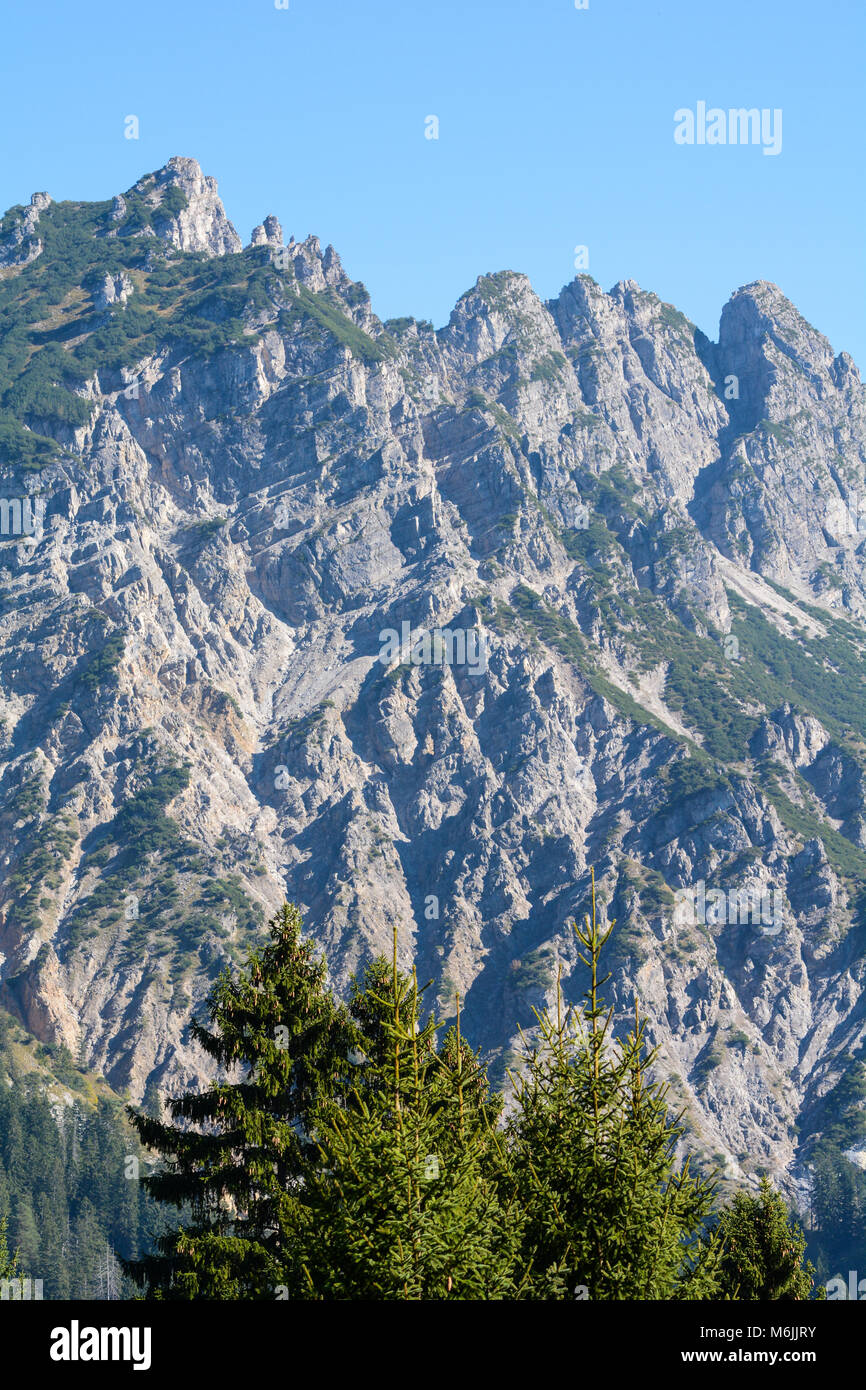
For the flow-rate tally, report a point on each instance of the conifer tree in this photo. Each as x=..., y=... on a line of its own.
x=8, y=1262
x=763, y=1249
x=403, y=1202
x=371, y=1007
x=591, y=1152
x=234, y=1156
x=26, y=1232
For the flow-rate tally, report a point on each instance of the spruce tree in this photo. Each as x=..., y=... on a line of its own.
x=763, y=1249
x=234, y=1156
x=25, y=1231
x=403, y=1202
x=591, y=1152
x=8, y=1262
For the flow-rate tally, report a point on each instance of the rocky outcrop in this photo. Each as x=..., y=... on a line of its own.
x=19, y=242
x=270, y=233
x=201, y=223
x=115, y=289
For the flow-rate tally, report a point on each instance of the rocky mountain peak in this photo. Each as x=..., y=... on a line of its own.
x=194, y=218
x=500, y=310
x=762, y=332
x=761, y=309
x=627, y=293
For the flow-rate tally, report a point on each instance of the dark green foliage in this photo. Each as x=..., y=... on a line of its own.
x=847, y=859
x=837, y=1239
x=198, y=303
x=204, y=530
x=28, y=797
x=141, y=821
x=712, y=1056
x=324, y=310
x=102, y=668
x=592, y=1151
x=710, y=692
x=68, y=1191
x=236, y=1157
x=59, y=1058
x=142, y=852
x=38, y=868
x=8, y=1260
x=689, y=777
x=30, y=452
x=782, y=433
x=298, y=1185
x=404, y=1199
x=548, y=368
x=547, y=625
x=763, y=1251
x=532, y=971
x=826, y=675
x=672, y=318
x=44, y=390
x=492, y=289
x=173, y=201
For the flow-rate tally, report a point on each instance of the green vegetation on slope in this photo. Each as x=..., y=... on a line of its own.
x=69, y=1165
x=53, y=338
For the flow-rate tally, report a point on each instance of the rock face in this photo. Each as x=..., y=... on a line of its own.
x=19, y=243
x=115, y=289
x=416, y=627
x=789, y=497
x=269, y=234
x=199, y=225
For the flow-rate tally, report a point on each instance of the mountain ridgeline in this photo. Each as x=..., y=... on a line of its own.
x=414, y=627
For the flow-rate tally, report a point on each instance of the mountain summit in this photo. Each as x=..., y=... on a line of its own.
x=185, y=209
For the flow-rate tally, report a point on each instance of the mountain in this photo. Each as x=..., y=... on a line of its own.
x=631, y=562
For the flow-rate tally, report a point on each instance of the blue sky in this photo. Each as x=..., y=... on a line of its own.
x=555, y=130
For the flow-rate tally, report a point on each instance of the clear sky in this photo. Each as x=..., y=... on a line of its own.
x=556, y=129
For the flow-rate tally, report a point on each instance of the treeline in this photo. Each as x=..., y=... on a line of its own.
x=348, y=1152
x=837, y=1238
x=68, y=1207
